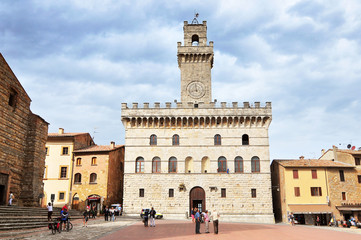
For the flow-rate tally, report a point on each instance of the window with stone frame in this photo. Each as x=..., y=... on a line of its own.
x=223, y=193
x=255, y=164
x=359, y=178
x=141, y=192
x=342, y=175
x=314, y=174
x=175, y=140
x=297, y=191
x=343, y=196
x=63, y=172
x=245, y=139
x=171, y=192
x=93, y=178
x=65, y=151
x=316, y=192
x=253, y=193
x=222, y=164
x=172, y=165
x=94, y=161
x=217, y=139
x=153, y=140
x=295, y=174
x=238, y=164
x=78, y=161
x=156, y=163
x=61, y=196
x=77, y=178
x=357, y=161
x=139, y=165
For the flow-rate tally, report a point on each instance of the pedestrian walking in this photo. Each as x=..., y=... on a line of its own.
x=106, y=213
x=11, y=197
x=86, y=215
x=50, y=211
x=112, y=216
x=93, y=212
x=206, y=221
x=197, y=217
x=292, y=219
x=192, y=214
x=215, y=218
x=152, y=217
x=145, y=217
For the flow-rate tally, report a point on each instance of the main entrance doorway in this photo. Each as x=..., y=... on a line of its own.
x=197, y=198
x=3, y=188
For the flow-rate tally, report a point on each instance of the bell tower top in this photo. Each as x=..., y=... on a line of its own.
x=195, y=60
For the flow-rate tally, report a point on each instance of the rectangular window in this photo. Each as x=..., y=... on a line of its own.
x=359, y=178
x=12, y=98
x=45, y=172
x=343, y=196
x=141, y=192
x=78, y=161
x=223, y=192
x=342, y=176
x=295, y=174
x=297, y=192
x=63, y=172
x=357, y=161
x=65, y=151
x=61, y=196
x=46, y=151
x=314, y=174
x=254, y=193
x=171, y=192
x=316, y=191
x=94, y=161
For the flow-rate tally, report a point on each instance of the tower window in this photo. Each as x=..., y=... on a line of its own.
x=245, y=139
x=222, y=164
x=175, y=140
x=12, y=97
x=139, y=165
x=195, y=40
x=217, y=139
x=342, y=176
x=255, y=164
x=153, y=139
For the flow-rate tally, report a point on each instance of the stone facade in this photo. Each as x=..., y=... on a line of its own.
x=107, y=163
x=55, y=181
x=197, y=153
x=22, y=142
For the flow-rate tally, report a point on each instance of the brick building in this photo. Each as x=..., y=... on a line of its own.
x=22, y=142
x=98, y=176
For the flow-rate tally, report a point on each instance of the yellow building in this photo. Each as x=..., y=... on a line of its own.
x=301, y=187
x=98, y=176
x=58, y=164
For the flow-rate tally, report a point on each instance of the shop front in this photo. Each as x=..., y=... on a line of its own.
x=95, y=202
x=348, y=210
x=309, y=213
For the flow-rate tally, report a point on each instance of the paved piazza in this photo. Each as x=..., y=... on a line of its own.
x=132, y=228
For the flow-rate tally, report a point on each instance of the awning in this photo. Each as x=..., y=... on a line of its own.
x=93, y=197
x=349, y=208
x=310, y=209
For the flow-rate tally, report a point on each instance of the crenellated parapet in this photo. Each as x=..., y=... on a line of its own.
x=199, y=115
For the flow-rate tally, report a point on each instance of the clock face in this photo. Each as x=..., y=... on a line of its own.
x=196, y=89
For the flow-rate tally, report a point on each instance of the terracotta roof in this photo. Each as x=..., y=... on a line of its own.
x=98, y=148
x=64, y=134
x=311, y=163
x=349, y=151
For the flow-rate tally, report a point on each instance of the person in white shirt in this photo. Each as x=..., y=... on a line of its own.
x=50, y=211
x=215, y=217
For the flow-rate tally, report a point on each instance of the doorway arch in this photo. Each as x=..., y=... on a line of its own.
x=197, y=198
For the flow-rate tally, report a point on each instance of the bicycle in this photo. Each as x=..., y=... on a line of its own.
x=68, y=225
x=55, y=226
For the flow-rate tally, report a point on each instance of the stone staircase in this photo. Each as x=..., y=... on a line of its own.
x=19, y=218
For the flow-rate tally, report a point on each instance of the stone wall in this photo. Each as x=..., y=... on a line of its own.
x=116, y=176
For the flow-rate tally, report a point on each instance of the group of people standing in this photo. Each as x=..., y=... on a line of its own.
x=198, y=217
x=149, y=214
x=109, y=214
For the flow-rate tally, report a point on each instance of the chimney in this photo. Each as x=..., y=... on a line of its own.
x=302, y=157
x=112, y=144
x=322, y=151
x=61, y=130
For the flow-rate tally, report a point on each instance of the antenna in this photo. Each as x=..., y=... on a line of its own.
x=94, y=132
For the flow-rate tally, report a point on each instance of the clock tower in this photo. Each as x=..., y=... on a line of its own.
x=195, y=60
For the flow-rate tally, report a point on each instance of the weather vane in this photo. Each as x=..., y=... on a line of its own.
x=195, y=20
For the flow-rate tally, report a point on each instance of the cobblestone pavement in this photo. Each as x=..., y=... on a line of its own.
x=167, y=229
x=96, y=228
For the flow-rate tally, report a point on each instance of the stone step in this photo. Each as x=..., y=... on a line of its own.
x=8, y=219
x=23, y=226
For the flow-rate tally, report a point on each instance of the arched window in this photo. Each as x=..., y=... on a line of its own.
x=217, y=139
x=172, y=165
x=255, y=164
x=238, y=164
x=156, y=165
x=139, y=165
x=195, y=40
x=222, y=164
x=93, y=178
x=245, y=139
x=153, y=139
x=77, y=178
x=78, y=161
x=94, y=160
x=175, y=140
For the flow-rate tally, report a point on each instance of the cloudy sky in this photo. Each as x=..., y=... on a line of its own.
x=79, y=60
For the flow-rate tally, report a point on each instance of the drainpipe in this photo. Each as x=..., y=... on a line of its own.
x=71, y=182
